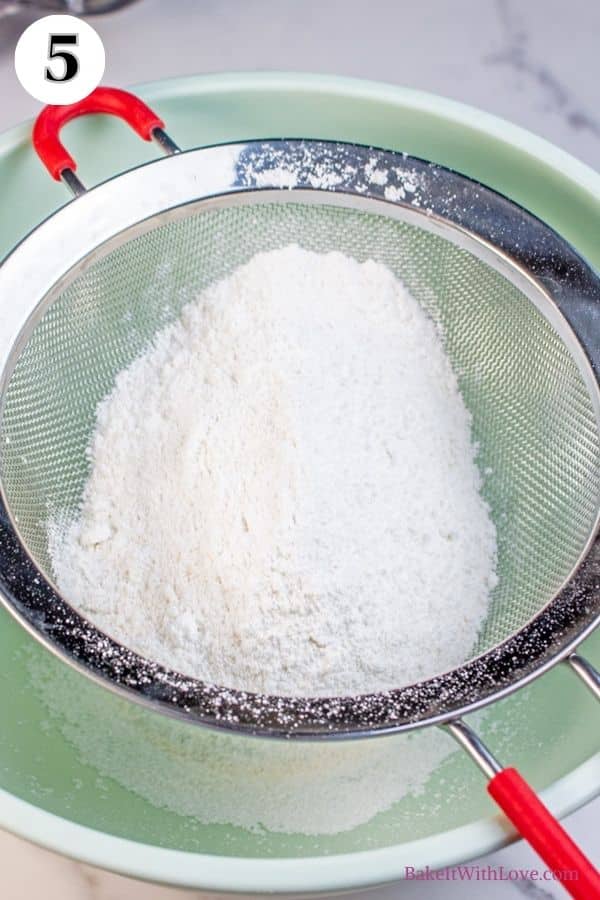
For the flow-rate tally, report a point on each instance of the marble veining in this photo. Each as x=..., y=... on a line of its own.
x=533, y=891
x=517, y=54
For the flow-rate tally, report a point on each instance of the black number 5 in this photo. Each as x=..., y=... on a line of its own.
x=70, y=60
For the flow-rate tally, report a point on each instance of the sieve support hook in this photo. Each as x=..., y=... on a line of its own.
x=111, y=101
x=586, y=671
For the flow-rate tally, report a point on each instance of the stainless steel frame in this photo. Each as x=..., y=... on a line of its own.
x=528, y=253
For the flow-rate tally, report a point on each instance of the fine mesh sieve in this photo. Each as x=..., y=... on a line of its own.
x=533, y=415
x=519, y=312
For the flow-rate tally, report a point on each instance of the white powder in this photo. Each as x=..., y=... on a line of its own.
x=322, y=787
x=283, y=494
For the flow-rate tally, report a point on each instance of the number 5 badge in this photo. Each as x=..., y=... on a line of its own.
x=59, y=59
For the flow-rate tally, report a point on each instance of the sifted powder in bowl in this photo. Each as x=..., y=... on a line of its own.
x=261, y=785
x=283, y=493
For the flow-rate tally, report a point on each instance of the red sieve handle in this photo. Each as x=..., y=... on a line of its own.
x=547, y=837
x=112, y=101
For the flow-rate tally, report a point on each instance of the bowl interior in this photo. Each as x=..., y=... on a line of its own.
x=72, y=748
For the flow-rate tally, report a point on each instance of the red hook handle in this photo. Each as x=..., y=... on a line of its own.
x=532, y=819
x=112, y=101
x=538, y=826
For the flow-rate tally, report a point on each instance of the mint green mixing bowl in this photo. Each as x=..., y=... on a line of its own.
x=67, y=745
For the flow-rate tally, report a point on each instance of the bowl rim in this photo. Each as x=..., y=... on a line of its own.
x=341, y=871
x=287, y=875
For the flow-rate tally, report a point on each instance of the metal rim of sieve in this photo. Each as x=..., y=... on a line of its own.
x=523, y=249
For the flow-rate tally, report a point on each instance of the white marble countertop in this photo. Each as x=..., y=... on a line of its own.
x=536, y=63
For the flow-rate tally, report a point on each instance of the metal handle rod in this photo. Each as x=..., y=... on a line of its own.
x=588, y=674
x=532, y=819
x=472, y=743
x=166, y=143
x=76, y=186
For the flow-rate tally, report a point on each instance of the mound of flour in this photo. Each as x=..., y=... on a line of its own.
x=283, y=495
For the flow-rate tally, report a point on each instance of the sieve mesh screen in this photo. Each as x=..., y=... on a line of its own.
x=533, y=417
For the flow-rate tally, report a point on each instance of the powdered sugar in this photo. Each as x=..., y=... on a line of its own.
x=283, y=494
x=324, y=167
x=322, y=787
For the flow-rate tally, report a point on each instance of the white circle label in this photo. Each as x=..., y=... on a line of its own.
x=59, y=59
